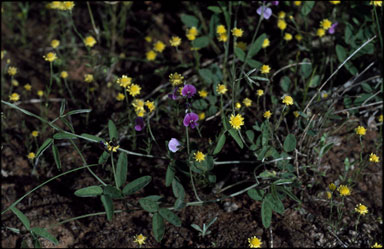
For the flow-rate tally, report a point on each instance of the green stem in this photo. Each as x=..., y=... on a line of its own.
x=186, y=132
x=49, y=180
x=114, y=171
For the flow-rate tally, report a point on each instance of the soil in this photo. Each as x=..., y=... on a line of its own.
x=301, y=225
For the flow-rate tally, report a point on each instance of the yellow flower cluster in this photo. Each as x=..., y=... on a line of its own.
x=139, y=105
x=112, y=148
x=66, y=5
x=176, y=79
x=192, y=33
x=222, y=33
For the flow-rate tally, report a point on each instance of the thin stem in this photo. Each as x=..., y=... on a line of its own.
x=114, y=171
x=92, y=20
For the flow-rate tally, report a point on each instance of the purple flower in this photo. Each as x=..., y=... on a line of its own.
x=332, y=28
x=173, y=95
x=173, y=145
x=267, y=12
x=188, y=90
x=139, y=123
x=275, y=3
x=191, y=119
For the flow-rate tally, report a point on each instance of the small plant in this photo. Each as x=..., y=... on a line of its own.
x=204, y=230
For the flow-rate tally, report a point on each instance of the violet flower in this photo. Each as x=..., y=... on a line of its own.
x=173, y=95
x=188, y=90
x=331, y=30
x=267, y=12
x=139, y=124
x=173, y=145
x=191, y=119
x=275, y=3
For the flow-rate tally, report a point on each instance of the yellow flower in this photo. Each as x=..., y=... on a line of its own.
x=297, y=3
x=254, y=242
x=360, y=130
x=288, y=100
x=159, y=46
x=35, y=133
x=40, y=93
x=31, y=155
x=203, y=93
x=380, y=118
x=320, y=32
x=124, y=81
x=151, y=105
x=201, y=115
x=377, y=245
x=90, y=41
x=373, y=158
x=260, y=92
x=287, y=36
x=281, y=24
x=151, y=55
x=332, y=187
x=222, y=38
x=192, y=33
x=344, y=190
x=267, y=114
x=55, y=43
x=298, y=37
x=237, y=105
x=139, y=107
x=3, y=52
x=237, y=32
x=88, y=78
x=27, y=87
x=175, y=41
x=220, y=29
x=335, y=2
x=50, y=57
x=281, y=15
x=242, y=45
x=329, y=195
x=325, y=24
x=120, y=97
x=247, y=102
x=176, y=79
x=236, y=121
x=191, y=37
x=134, y=90
x=361, y=209
x=68, y=5
x=221, y=89
x=112, y=148
x=265, y=43
x=64, y=74
x=199, y=156
x=296, y=114
x=376, y=3
x=15, y=83
x=148, y=38
x=140, y=239
x=12, y=71
x=14, y=97
x=265, y=69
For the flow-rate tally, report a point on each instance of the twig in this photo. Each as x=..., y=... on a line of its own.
x=358, y=107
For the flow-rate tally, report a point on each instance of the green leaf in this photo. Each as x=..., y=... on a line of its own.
x=158, y=227
x=179, y=204
x=189, y=21
x=89, y=191
x=236, y=137
x=289, y=193
x=283, y=182
x=254, y=63
x=178, y=189
x=215, y=9
x=36, y=243
x=61, y=135
x=104, y=157
x=200, y=104
x=108, y=206
x=112, y=192
x=42, y=232
x=201, y=42
x=307, y=7
x=290, y=143
x=56, y=156
x=170, y=174
x=149, y=205
x=92, y=138
x=276, y=203
x=77, y=112
x=206, y=74
x=256, y=194
x=284, y=83
x=325, y=149
x=44, y=146
x=306, y=69
x=24, y=219
x=315, y=81
x=250, y=135
x=219, y=144
x=341, y=53
x=256, y=46
x=170, y=216
x=121, y=169
x=264, y=134
x=136, y=185
x=112, y=130
x=266, y=213
x=239, y=54
x=62, y=107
